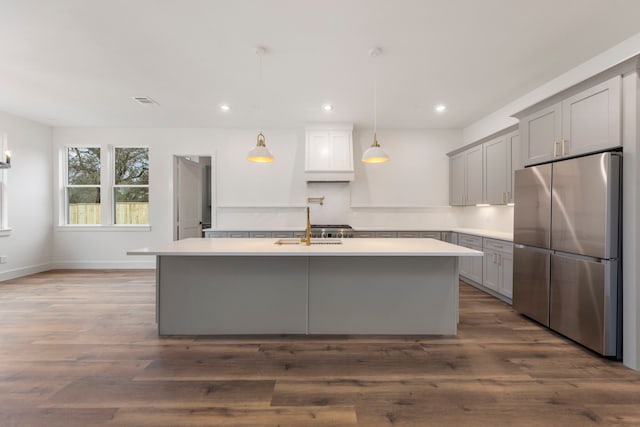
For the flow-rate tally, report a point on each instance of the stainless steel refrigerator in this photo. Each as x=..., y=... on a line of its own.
x=567, y=224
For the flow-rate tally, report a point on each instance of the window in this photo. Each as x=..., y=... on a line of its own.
x=83, y=186
x=106, y=186
x=131, y=185
x=4, y=221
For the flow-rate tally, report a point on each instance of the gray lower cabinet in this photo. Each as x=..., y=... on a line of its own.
x=364, y=234
x=419, y=234
x=449, y=237
x=386, y=234
x=238, y=234
x=498, y=266
x=260, y=234
x=218, y=234
x=400, y=234
x=254, y=234
x=471, y=267
x=283, y=234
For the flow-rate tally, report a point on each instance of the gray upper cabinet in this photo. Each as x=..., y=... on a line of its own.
x=501, y=158
x=457, y=180
x=585, y=122
x=591, y=119
x=513, y=144
x=497, y=161
x=540, y=133
x=474, y=175
x=465, y=170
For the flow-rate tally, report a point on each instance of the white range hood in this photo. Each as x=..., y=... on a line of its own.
x=329, y=152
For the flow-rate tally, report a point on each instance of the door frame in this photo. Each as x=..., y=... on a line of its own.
x=174, y=190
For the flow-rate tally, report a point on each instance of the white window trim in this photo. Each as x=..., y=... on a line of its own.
x=65, y=185
x=107, y=185
x=4, y=191
x=112, y=201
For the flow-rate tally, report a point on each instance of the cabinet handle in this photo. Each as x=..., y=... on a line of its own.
x=555, y=148
x=495, y=258
x=499, y=259
x=563, y=152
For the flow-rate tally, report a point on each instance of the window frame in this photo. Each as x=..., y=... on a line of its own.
x=5, y=230
x=107, y=199
x=114, y=186
x=66, y=186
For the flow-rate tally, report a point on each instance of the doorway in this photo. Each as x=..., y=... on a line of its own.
x=192, y=196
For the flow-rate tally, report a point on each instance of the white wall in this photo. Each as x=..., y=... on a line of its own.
x=496, y=218
x=263, y=196
x=29, y=199
x=630, y=215
x=501, y=119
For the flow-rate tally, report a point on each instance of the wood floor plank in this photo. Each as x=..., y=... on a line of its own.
x=105, y=392
x=312, y=416
x=81, y=348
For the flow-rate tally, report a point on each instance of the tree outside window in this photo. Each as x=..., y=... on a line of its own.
x=131, y=185
x=83, y=185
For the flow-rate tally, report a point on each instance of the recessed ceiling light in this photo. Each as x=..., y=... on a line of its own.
x=327, y=107
x=225, y=107
x=440, y=108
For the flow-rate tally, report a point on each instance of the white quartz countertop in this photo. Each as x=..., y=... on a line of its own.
x=267, y=247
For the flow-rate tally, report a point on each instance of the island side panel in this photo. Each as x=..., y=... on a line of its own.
x=383, y=295
x=217, y=295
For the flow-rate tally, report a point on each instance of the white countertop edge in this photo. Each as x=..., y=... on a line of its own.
x=314, y=254
x=349, y=247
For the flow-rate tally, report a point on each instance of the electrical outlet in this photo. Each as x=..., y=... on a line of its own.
x=3, y=259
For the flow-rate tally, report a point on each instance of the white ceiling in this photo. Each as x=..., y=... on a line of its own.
x=80, y=62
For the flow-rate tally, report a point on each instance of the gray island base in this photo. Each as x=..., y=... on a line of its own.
x=362, y=286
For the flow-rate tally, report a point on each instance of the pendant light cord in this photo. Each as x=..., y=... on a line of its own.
x=375, y=94
x=259, y=52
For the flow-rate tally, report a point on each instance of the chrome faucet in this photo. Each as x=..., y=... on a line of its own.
x=307, y=239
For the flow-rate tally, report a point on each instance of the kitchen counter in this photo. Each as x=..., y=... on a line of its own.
x=253, y=286
x=267, y=247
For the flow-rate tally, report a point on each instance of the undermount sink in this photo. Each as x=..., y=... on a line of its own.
x=313, y=242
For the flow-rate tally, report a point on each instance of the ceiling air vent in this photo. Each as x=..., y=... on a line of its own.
x=144, y=100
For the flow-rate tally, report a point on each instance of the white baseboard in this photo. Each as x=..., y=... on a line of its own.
x=24, y=271
x=103, y=265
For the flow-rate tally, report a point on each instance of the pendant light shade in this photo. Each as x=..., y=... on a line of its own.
x=375, y=153
x=260, y=153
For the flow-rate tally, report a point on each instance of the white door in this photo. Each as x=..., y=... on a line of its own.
x=188, y=199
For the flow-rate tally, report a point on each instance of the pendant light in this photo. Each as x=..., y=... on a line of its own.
x=375, y=153
x=260, y=153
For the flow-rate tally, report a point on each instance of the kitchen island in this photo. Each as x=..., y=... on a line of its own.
x=345, y=286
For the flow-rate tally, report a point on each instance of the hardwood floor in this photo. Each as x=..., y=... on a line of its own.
x=80, y=348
